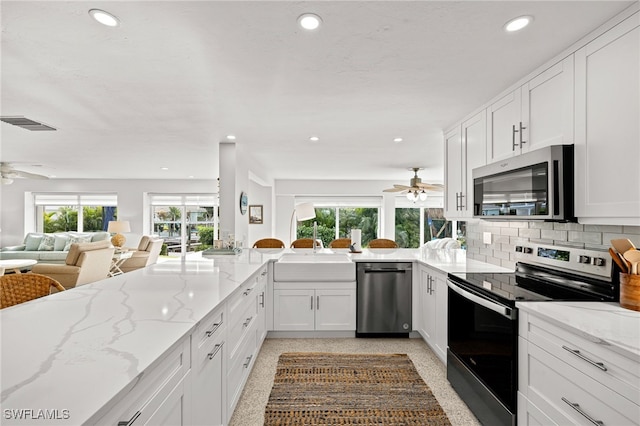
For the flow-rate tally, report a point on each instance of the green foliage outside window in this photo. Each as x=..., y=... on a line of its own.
x=62, y=220
x=363, y=218
x=408, y=227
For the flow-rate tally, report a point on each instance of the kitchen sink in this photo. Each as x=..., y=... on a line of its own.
x=318, y=267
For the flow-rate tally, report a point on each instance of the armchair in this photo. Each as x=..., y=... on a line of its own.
x=146, y=254
x=85, y=263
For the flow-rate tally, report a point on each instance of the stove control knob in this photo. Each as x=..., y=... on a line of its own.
x=527, y=250
x=584, y=259
x=519, y=249
x=598, y=261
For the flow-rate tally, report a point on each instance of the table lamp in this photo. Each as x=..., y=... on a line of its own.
x=116, y=227
x=303, y=211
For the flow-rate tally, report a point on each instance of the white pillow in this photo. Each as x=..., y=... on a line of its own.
x=76, y=240
x=61, y=242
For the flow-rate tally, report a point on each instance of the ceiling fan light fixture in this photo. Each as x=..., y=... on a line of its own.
x=6, y=181
x=423, y=195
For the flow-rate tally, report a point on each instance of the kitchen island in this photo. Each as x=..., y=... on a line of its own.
x=73, y=356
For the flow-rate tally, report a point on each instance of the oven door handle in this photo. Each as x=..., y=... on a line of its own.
x=505, y=311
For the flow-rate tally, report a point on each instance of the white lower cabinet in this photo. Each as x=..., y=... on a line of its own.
x=209, y=371
x=432, y=310
x=261, y=305
x=161, y=396
x=567, y=379
x=315, y=306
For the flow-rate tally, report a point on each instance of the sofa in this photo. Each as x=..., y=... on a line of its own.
x=50, y=248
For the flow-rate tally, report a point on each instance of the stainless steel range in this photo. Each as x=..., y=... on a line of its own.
x=483, y=320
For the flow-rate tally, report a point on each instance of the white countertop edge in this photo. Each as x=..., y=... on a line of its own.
x=606, y=323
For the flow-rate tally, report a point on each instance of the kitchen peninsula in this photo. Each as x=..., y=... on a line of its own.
x=100, y=350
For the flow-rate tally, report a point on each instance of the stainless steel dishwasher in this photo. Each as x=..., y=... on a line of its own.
x=383, y=299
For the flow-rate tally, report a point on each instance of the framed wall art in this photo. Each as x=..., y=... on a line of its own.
x=255, y=214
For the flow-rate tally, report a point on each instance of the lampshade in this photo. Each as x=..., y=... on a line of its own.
x=305, y=211
x=117, y=226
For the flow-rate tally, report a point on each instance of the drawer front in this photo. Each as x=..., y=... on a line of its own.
x=157, y=382
x=241, y=325
x=237, y=303
x=568, y=396
x=211, y=328
x=613, y=370
x=239, y=371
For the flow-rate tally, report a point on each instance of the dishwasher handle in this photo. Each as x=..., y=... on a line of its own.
x=378, y=270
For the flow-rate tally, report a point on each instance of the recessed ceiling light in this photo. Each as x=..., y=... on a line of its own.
x=518, y=23
x=105, y=18
x=309, y=21
x=397, y=140
x=231, y=137
x=314, y=139
x=164, y=168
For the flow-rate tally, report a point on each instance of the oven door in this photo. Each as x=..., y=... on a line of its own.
x=482, y=355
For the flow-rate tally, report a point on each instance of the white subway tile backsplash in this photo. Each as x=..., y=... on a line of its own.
x=635, y=239
x=585, y=237
x=518, y=240
x=500, y=239
x=501, y=254
x=568, y=226
x=541, y=225
x=541, y=241
x=508, y=264
x=553, y=235
x=631, y=230
x=494, y=261
x=569, y=244
x=613, y=229
x=518, y=224
x=529, y=233
x=512, y=232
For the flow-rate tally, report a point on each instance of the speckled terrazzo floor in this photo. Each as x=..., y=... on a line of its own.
x=250, y=408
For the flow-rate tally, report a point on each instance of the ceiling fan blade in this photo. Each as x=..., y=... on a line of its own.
x=431, y=186
x=402, y=187
x=22, y=174
x=393, y=190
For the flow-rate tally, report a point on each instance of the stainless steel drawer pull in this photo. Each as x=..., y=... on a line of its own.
x=246, y=323
x=216, y=349
x=213, y=330
x=513, y=138
x=263, y=273
x=318, y=302
x=585, y=415
x=577, y=353
x=262, y=299
x=246, y=364
x=130, y=422
x=247, y=291
x=522, y=134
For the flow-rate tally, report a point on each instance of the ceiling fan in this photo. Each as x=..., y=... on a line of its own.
x=8, y=173
x=416, y=189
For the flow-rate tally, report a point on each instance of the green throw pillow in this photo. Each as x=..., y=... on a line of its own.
x=32, y=242
x=47, y=243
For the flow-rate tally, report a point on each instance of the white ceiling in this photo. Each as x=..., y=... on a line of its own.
x=176, y=77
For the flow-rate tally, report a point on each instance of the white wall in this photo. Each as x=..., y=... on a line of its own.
x=260, y=195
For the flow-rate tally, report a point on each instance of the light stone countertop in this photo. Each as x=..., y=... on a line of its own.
x=80, y=349
x=604, y=322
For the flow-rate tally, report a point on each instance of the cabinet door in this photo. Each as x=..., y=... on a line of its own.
x=261, y=302
x=502, y=115
x=427, y=307
x=454, y=167
x=174, y=410
x=209, y=385
x=547, y=107
x=607, y=126
x=335, y=310
x=441, y=299
x=474, y=136
x=294, y=309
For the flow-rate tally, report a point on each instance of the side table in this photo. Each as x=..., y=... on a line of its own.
x=118, y=259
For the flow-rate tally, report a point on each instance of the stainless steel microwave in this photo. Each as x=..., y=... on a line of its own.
x=537, y=185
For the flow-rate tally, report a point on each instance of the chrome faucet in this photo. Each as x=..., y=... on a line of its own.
x=315, y=235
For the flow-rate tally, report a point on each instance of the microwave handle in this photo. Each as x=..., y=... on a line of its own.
x=495, y=307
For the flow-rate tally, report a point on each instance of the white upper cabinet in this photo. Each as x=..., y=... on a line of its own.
x=537, y=114
x=607, y=116
x=465, y=149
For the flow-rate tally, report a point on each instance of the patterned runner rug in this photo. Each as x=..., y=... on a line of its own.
x=350, y=389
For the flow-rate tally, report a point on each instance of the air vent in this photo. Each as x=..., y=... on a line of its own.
x=26, y=123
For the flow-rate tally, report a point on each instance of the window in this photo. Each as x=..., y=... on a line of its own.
x=337, y=216
x=186, y=222
x=59, y=212
x=415, y=226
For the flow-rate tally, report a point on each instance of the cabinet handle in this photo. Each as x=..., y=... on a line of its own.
x=318, y=302
x=246, y=364
x=262, y=299
x=216, y=349
x=213, y=330
x=263, y=273
x=458, y=201
x=246, y=323
x=513, y=137
x=312, y=303
x=581, y=411
x=577, y=353
x=247, y=291
x=130, y=422
x=522, y=134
